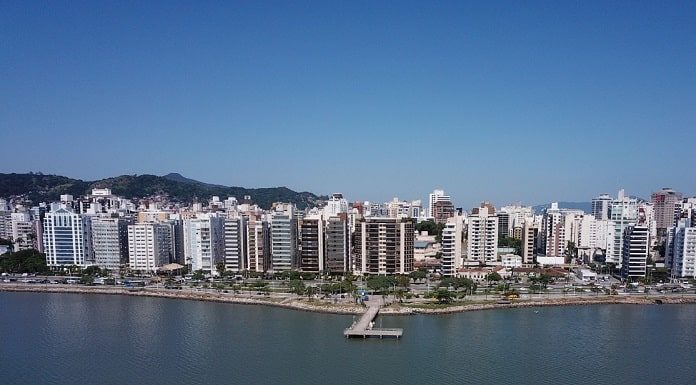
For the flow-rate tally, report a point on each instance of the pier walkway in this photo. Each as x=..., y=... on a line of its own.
x=363, y=327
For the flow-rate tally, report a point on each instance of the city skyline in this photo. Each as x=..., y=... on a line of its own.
x=500, y=102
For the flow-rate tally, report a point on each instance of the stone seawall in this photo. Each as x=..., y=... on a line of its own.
x=349, y=308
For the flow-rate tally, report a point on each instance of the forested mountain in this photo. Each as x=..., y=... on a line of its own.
x=46, y=188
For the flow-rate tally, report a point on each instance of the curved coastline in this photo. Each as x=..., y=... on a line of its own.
x=351, y=309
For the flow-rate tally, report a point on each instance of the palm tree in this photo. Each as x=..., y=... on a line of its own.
x=399, y=294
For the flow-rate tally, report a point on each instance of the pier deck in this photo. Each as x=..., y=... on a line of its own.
x=362, y=328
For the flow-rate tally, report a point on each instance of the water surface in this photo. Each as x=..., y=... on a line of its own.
x=49, y=338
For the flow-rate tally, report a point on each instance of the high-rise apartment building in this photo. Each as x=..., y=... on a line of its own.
x=530, y=233
x=283, y=231
x=635, y=249
x=311, y=244
x=337, y=244
x=5, y=224
x=235, y=243
x=600, y=207
x=683, y=245
x=107, y=236
x=149, y=246
x=452, y=246
x=667, y=209
x=443, y=210
x=503, y=224
x=204, y=242
x=63, y=240
x=384, y=246
x=258, y=244
x=335, y=205
x=23, y=231
x=622, y=212
x=482, y=233
x=434, y=197
x=553, y=228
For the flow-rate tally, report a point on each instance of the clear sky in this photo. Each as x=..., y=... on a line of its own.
x=503, y=101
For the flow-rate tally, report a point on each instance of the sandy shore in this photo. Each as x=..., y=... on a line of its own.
x=351, y=309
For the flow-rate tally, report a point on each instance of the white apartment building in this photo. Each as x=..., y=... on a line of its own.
x=452, y=246
x=434, y=197
x=63, y=238
x=404, y=209
x=335, y=205
x=23, y=234
x=622, y=212
x=683, y=261
x=235, y=245
x=600, y=207
x=204, y=242
x=149, y=246
x=482, y=232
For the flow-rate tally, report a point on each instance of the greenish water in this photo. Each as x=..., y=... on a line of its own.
x=100, y=339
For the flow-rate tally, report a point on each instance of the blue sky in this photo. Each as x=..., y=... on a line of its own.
x=502, y=101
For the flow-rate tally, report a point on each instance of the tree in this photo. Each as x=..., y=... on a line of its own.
x=25, y=261
x=443, y=296
x=418, y=275
x=429, y=226
x=403, y=280
x=494, y=276
x=87, y=280
x=94, y=271
x=310, y=291
x=381, y=283
x=399, y=294
x=505, y=241
x=220, y=267
x=198, y=275
x=297, y=287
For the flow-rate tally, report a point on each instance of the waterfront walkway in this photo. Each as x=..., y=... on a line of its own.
x=363, y=327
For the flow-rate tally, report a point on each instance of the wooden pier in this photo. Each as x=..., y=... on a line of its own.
x=363, y=327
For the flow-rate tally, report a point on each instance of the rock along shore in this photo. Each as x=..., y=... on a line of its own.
x=350, y=309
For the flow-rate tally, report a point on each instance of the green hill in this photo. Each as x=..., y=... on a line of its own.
x=47, y=188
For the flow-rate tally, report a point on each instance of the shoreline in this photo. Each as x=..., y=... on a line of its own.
x=352, y=309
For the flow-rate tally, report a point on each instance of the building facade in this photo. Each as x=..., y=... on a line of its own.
x=64, y=242
x=452, y=246
x=337, y=244
x=235, y=243
x=106, y=242
x=384, y=246
x=149, y=246
x=204, y=243
x=482, y=235
x=283, y=232
x=311, y=244
x=636, y=241
x=683, y=262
